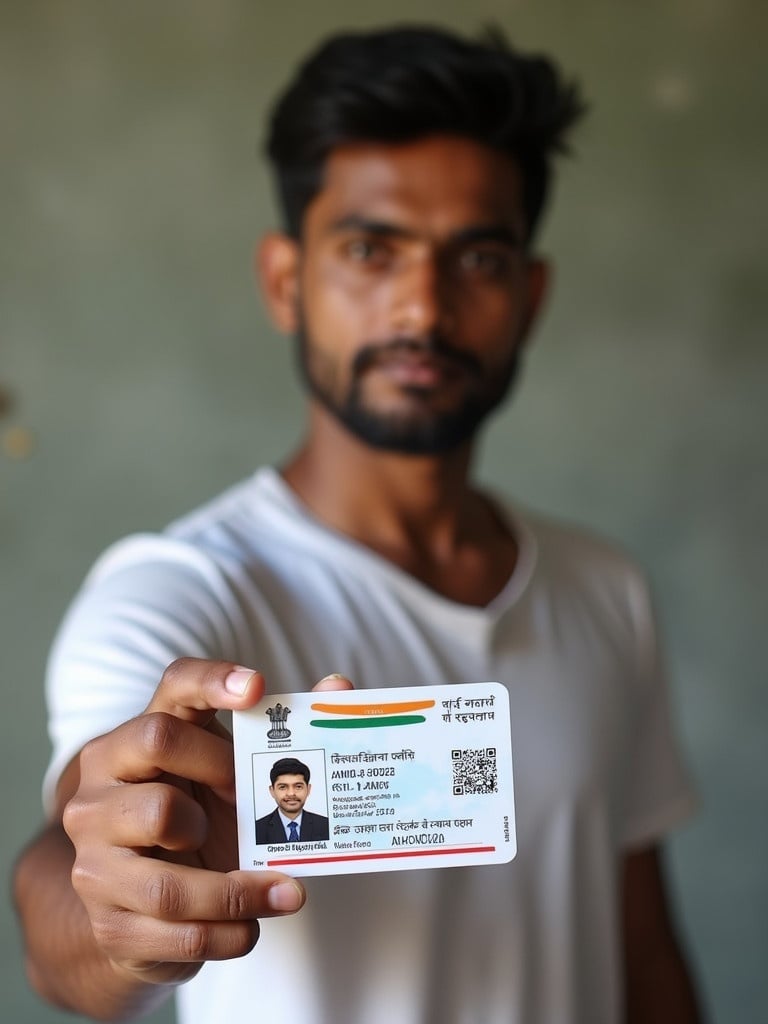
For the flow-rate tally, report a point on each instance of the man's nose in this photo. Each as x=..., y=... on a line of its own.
x=422, y=301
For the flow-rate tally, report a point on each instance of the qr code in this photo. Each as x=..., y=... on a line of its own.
x=474, y=771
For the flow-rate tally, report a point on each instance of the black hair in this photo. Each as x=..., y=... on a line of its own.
x=400, y=84
x=288, y=766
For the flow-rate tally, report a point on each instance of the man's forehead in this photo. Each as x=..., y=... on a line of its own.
x=443, y=180
x=288, y=778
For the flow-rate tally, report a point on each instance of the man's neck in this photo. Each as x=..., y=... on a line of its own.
x=419, y=512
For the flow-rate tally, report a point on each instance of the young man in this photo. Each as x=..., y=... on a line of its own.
x=412, y=168
x=289, y=787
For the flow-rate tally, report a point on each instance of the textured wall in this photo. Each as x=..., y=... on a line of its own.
x=130, y=194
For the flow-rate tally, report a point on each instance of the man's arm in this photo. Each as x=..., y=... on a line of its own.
x=134, y=888
x=659, y=989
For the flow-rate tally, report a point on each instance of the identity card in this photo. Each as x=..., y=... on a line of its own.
x=348, y=781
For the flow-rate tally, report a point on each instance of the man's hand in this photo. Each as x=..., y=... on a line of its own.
x=153, y=825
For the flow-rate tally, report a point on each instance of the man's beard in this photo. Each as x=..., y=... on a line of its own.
x=422, y=430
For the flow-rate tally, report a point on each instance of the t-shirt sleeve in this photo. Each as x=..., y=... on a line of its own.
x=146, y=602
x=658, y=789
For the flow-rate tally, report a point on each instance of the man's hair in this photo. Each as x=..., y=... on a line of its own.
x=288, y=766
x=401, y=84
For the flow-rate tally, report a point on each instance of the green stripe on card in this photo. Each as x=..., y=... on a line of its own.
x=369, y=722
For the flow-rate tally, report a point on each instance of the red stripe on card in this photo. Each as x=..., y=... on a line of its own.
x=380, y=856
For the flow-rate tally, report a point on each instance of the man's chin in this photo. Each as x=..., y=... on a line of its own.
x=432, y=434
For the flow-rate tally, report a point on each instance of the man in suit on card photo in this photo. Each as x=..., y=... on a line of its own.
x=289, y=822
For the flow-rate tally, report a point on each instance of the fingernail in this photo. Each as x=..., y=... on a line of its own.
x=335, y=681
x=285, y=896
x=237, y=681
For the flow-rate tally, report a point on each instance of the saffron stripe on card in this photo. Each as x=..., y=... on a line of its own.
x=374, y=709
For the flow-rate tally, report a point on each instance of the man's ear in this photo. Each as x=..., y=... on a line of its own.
x=539, y=276
x=276, y=264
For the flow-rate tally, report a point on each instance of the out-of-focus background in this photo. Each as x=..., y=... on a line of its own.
x=141, y=376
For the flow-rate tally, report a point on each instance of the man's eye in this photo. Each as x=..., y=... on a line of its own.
x=488, y=262
x=364, y=250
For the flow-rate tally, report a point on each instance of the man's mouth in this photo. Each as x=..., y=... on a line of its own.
x=424, y=370
x=418, y=364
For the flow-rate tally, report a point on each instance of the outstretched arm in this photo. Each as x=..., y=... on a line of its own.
x=659, y=989
x=136, y=886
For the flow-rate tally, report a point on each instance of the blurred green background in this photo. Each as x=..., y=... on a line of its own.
x=144, y=376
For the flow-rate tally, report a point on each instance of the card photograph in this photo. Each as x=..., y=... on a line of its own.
x=289, y=796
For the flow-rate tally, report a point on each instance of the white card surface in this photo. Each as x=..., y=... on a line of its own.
x=400, y=778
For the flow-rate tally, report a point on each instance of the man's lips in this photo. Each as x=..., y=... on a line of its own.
x=413, y=368
x=414, y=363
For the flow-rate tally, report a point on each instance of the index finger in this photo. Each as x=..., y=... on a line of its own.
x=194, y=690
x=179, y=892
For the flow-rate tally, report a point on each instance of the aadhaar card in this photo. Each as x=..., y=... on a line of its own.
x=350, y=781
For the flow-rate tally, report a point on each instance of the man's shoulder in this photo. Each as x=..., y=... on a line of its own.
x=314, y=826
x=568, y=544
x=579, y=566
x=268, y=819
x=215, y=533
x=242, y=501
x=311, y=816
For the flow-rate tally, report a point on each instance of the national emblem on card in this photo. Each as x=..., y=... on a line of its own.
x=278, y=716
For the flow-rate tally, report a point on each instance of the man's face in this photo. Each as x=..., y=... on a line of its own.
x=413, y=290
x=290, y=793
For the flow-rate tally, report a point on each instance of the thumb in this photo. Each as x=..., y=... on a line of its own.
x=334, y=681
x=194, y=689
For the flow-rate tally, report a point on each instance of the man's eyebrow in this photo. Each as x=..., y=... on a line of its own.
x=491, y=232
x=500, y=233
x=369, y=226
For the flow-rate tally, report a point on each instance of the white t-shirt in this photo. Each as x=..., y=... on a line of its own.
x=253, y=578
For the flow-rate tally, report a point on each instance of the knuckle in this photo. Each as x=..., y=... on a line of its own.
x=176, y=671
x=166, y=896
x=195, y=942
x=72, y=816
x=83, y=878
x=83, y=821
x=91, y=755
x=109, y=932
x=157, y=735
x=156, y=811
x=237, y=907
